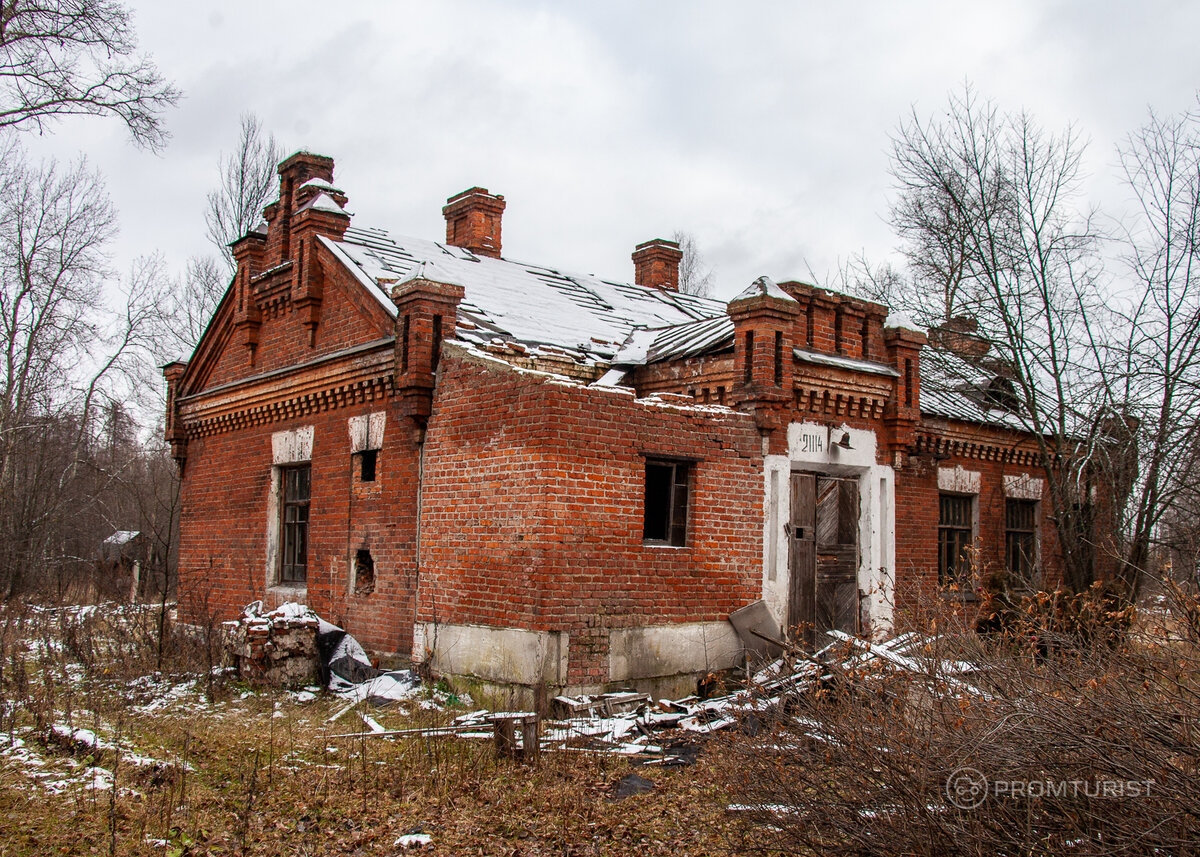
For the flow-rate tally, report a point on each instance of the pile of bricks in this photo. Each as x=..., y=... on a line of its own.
x=276, y=649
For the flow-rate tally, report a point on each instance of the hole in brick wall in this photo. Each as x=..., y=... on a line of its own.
x=367, y=460
x=364, y=573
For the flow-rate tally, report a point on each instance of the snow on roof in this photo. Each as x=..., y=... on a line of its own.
x=765, y=287
x=844, y=362
x=955, y=388
x=322, y=202
x=321, y=184
x=586, y=316
x=122, y=537
x=897, y=318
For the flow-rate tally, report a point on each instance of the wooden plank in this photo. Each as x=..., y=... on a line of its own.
x=802, y=566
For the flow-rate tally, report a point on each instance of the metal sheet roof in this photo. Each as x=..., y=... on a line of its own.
x=513, y=301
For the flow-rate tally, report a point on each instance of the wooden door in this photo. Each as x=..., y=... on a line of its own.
x=837, y=556
x=802, y=555
x=823, y=555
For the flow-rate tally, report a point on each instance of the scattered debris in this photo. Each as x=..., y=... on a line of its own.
x=413, y=840
x=632, y=784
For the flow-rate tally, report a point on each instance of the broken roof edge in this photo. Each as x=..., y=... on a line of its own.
x=851, y=363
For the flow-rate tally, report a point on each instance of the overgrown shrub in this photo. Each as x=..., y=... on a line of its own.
x=1088, y=748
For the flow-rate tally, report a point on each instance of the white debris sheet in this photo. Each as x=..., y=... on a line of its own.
x=662, y=731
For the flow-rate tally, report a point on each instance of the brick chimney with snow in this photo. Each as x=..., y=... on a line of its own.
x=656, y=264
x=473, y=221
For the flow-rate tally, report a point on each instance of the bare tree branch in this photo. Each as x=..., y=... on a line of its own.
x=76, y=57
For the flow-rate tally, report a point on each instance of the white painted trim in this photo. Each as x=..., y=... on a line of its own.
x=1023, y=487
x=959, y=480
x=366, y=431
x=293, y=446
x=810, y=450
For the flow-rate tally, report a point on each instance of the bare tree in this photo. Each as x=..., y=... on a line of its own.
x=695, y=277
x=988, y=209
x=77, y=57
x=1154, y=370
x=247, y=182
x=195, y=298
x=66, y=357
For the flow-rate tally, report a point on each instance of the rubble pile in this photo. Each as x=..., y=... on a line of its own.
x=668, y=732
x=276, y=648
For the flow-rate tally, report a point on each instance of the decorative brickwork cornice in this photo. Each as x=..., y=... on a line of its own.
x=334, y=382
x=975, y=445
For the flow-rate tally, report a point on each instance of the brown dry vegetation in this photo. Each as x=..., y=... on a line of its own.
x=261, y=773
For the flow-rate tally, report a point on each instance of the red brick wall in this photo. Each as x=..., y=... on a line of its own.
x=222, y=556
x=348, y=317
x=917, y=524
x=532, y=511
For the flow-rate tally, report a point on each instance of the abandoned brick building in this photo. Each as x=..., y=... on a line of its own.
x=546, y=479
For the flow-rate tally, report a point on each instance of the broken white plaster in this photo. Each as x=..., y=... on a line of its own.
x=508, y=655
x=652, y=651
x=1023, y=487
x=293, y=446
x=958, y=480
x=366, y=431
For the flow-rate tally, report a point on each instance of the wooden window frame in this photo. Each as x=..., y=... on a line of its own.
x=294, y=518
x=666, y=527
x=1018, y=532
x=954, y=536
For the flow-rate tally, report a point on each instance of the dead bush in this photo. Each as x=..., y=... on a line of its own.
x=1090, y=748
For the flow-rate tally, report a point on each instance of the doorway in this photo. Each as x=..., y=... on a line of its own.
x=823, y=556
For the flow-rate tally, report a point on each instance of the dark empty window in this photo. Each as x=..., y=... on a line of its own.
x=1020, y=538
x=956, y=524
x=364, y=573
x=366, y=465
x=666, y=502
x=296, y=493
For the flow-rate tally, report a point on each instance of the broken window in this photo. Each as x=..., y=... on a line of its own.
x=1020, y=538
x=665, y=520
x=364, y=573
x=367, y=460
x=296, y=493
x=956, y=526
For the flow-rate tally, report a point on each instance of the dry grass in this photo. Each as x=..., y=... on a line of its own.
x=261, y=773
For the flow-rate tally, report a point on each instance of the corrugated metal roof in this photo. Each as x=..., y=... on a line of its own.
x=954, y=388
x=532, y=304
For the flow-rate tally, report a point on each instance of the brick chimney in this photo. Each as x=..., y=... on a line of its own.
x=656, y=264
x=473, y=221
x=293, y=173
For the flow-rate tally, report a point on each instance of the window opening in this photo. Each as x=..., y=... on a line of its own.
x=1020, y=538
x=366, y=465
x=956, y=525
x=404, y=346
x=364, y=573
x=779, y=358
x=748, y=369
x=437, y=343
x=666, y=512
x=297, y=484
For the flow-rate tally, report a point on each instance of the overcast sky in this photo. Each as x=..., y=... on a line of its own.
x=761, y=128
